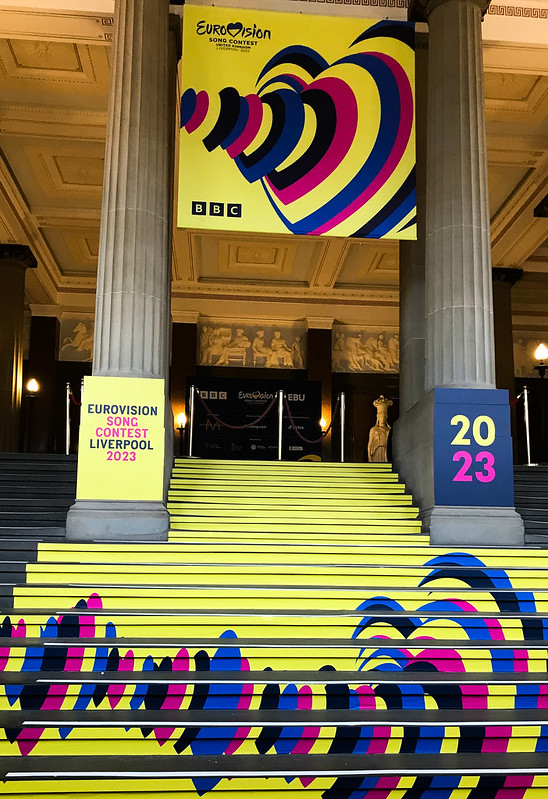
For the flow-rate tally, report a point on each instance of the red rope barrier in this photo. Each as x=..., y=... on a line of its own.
x=308, y=440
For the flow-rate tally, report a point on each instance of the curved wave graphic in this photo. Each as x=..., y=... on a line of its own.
x=405, y=631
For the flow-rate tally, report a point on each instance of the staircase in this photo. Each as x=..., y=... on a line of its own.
x=296, y=637
x=531, y=498
x=36, y=492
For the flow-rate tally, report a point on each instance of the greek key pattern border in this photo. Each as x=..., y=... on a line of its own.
x=498, y=9
x=526, y=12
x=369, y=3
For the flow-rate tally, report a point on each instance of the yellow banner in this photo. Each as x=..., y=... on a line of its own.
x=297, y=123
x=121, y=449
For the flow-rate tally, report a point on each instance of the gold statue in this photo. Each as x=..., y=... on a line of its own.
x=378, y=435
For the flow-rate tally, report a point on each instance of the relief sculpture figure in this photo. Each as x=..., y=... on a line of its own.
x=297, y=353
x=280, y=354
x=236, y=350
x=377, y=448
x=218, y=339
x=82, y=340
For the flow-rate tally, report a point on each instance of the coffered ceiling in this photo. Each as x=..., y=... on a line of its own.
x=54, y=71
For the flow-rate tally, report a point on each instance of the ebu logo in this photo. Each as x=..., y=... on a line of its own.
x=216, y=209
x=233, y=29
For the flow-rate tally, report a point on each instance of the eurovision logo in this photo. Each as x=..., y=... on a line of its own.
x=232, y=29
x=320, y=171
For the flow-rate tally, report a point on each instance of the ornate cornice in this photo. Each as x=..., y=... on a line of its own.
x=19, y=254
x=420, y=10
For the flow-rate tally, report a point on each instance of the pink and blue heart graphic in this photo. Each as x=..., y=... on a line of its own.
x=337, y=107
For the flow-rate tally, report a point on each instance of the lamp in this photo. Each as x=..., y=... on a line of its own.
x=541, y=353
x=32, y=387
x=323, y=424
x=181, y=425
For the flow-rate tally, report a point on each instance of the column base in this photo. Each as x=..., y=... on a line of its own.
x=117, y=521
x=473, y=526
x=461, y=525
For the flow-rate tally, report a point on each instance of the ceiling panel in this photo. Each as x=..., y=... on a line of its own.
x=75, y=249
x=369, y=263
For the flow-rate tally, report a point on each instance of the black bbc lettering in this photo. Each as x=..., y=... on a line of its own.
x=234, y=209
x=203, y=208
x=199, y=208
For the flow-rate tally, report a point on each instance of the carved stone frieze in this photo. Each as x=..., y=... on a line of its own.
x=356, y=350
x=267, y=346
x=76, y=340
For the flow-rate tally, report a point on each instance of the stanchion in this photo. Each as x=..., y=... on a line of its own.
x=343, y=412
x=527, y=431
x=280, y=422
x=191, y=425
x=67, y=419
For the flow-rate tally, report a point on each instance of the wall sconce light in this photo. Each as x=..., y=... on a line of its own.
x=181, y=425
x=541, y=353
x=323, y=425
x=32, y=387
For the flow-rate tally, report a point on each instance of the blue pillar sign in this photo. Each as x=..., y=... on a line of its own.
x=472, y=448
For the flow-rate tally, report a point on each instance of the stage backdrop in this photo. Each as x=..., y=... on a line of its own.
x=239, y=402
x=297, y=123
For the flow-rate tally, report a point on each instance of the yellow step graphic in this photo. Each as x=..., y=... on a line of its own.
x=297, y=636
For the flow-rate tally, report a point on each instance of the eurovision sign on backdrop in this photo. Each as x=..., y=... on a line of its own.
x=297, y=123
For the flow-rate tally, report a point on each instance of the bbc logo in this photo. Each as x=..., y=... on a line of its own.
x=216, y=209
x=213, y=395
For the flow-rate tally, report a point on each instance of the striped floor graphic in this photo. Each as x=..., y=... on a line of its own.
x=297, y=636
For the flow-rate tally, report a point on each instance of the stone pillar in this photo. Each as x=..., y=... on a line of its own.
x=413, y=256
x=15, y=259
x=459, y=314
x=318, y=367
x=504, y=279
x=459, y=339
x=134, y=270
x=184, y=342
x=42, y=363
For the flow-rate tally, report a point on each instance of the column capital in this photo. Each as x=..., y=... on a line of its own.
x=19, y=254
x=504, y=274
x=420, y=10
x=319, y=322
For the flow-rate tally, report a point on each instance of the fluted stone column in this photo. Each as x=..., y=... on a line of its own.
x=459, y=310
x=15, y=259
x=413, y=255
x=459, y=338
x=134, y=270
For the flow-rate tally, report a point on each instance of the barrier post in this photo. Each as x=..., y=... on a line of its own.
x=191, y=425
x=343, y=409
x=280, y=422
x=527, y=431
x=67, y=419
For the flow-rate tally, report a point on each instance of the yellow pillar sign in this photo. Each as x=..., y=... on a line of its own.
x=121, y=450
